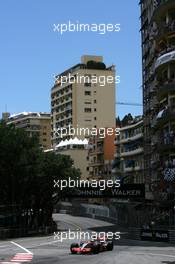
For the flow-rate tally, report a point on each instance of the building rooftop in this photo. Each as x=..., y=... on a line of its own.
x=87, y=62
x=28, y=114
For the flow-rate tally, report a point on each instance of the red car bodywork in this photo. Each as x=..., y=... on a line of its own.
x=97, y=246
x=81, y=250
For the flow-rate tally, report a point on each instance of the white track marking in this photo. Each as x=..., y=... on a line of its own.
x=25, y=249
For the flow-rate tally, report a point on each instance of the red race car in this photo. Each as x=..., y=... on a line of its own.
x=93, y=247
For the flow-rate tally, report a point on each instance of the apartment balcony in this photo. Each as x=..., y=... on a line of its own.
x=96, y=151
x=128, y=169
x=61, y=93
x=117, y=155
x=166, y=148
x=163, y=117
x=165, y=30
x=164, y=59
x=63, y=109
x=166, y=144
x=131, y=138
x=96, y=163
x=167, y=48
x=133, y=169
x=64, y=116
x=165, y=88
x=23, y=125
x=163, y=7
x=137, y=151
x=99, y=139
x=116, y=170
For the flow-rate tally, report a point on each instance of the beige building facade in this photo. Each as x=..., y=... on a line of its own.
x=35, y=124
x=83, y=97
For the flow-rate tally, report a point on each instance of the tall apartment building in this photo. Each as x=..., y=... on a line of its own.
x=35, y=124
x=83, y=97
x=158, y=60
x=129, y=155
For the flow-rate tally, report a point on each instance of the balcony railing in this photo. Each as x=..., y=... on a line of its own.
x=96, y=163
x=168, y=57
x=165, y=87
x=135, y=168
x=117, y=155
x=136, y=151
x=131, y=138
x=95, y=151
x=166, y=115
x=165, y=29
x=163, y=51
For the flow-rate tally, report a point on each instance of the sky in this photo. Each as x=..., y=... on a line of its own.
x=31, y=52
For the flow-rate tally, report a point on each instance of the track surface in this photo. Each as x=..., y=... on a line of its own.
x=49, y=250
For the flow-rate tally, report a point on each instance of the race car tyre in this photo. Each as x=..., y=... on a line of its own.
x=110, y=247
x=96, y=250
x=74, y=245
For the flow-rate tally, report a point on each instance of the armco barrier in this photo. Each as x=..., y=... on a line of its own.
x=172, y=236
x=134, y=233
x=128, y=232
x=12, y=233
x=23, y=232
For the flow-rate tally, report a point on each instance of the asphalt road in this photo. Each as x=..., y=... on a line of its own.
x=42, y=250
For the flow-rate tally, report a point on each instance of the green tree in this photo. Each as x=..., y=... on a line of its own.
x=27, y=175
x=127, y=119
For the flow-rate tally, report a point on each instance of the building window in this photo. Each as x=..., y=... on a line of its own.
x=87, y=168
x=87, y=84
x=87, y=110
x=95, y=109
x=95, y=101
x=87, y=93
x=95, y=118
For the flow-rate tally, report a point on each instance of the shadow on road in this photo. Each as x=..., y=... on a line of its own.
x=168, y=262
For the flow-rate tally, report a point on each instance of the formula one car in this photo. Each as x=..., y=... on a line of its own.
x=93, y=247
